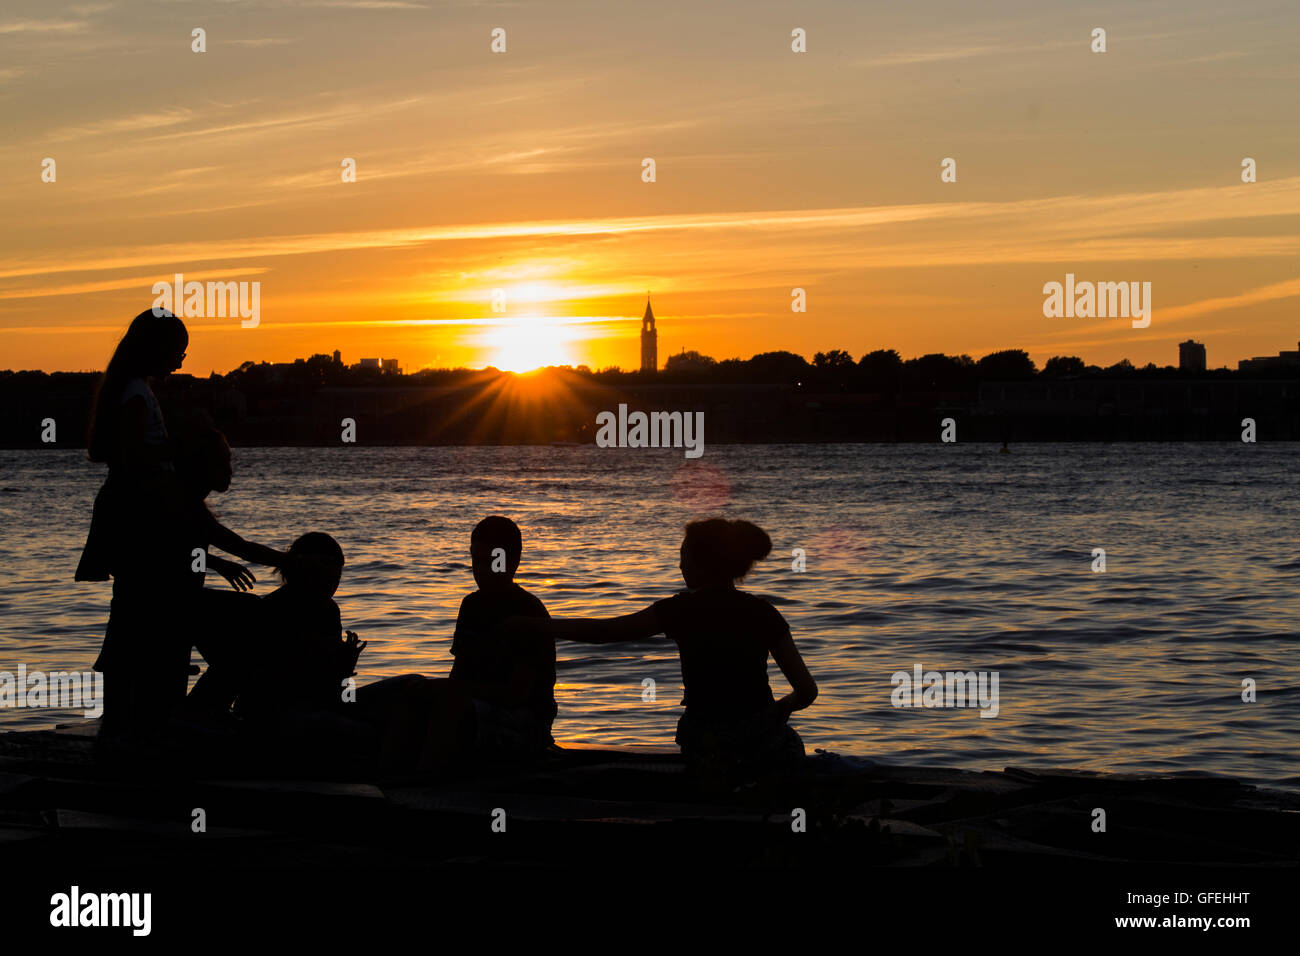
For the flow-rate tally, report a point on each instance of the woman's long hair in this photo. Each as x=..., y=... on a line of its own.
x=149, y=340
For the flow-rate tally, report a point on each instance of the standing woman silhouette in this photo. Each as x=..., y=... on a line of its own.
x=144, y=659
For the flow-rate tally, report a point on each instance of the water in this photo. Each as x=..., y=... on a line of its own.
x=950, y=556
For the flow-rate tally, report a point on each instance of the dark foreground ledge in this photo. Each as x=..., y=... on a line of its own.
x=59, y=795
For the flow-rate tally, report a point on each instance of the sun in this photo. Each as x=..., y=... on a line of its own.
x=524, y=345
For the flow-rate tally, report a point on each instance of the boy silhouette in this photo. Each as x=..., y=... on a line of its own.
x=510, y=678
x=498, y=701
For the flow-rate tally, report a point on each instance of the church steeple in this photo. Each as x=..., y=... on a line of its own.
x=649, y=340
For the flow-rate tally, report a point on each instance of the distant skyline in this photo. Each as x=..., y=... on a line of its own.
x=522, y=171
x=361, y=359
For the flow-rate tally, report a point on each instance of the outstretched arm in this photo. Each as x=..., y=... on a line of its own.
x=222, y=537
x=608, y=630
x=803, y=689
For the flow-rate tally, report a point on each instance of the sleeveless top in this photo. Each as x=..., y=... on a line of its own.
x=155, y=428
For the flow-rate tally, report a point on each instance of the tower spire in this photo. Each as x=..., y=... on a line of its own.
x=649, y=339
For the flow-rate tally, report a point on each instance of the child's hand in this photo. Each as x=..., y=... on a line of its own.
x=352, y=648
x=240, y=578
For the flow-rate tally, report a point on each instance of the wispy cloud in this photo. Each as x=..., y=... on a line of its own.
x=133, y=123
x=263, y=41
x=1063, y=229
x=362, y=4
x=335, y=4
x=904, y=58
x=44, y=26
x=1267, y=293
x=142, y=283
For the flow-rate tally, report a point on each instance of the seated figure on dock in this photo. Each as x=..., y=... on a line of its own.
x=498, y=703
x=733, y=731
x=223, y=624
x=510, y=680
x=299, y=691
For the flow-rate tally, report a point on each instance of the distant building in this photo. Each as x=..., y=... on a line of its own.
x=1191, y=356
x=338, y=357
x=279, y=371
x=1281, y=360
x=649, y=340
x=691, y=361
x=369, y=363
x=391, y=367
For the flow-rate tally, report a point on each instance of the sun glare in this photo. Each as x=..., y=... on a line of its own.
x=528, y=344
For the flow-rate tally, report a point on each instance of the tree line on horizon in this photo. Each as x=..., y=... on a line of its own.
x=879, y=371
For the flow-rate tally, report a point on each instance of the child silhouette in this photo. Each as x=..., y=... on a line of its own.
x=732, y=729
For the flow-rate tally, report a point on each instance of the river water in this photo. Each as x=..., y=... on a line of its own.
x=951, y=557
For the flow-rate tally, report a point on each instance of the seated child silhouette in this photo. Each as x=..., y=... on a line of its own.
x=733, y=731
x=304, y=656
x=510, y=678
x=498, y=702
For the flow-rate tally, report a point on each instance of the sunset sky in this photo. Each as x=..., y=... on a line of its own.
x=523, y=171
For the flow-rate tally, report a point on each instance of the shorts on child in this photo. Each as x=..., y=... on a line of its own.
x=741, y=745
x=506, y=731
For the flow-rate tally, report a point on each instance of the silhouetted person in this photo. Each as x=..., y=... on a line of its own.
x=511, y=680
x=222, y=624
x=294, y=703
x=304, y=655
x=145, y=656
x=733, y=730
x=499, y=701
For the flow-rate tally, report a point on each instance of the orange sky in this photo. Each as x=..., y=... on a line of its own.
x=522, y=171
